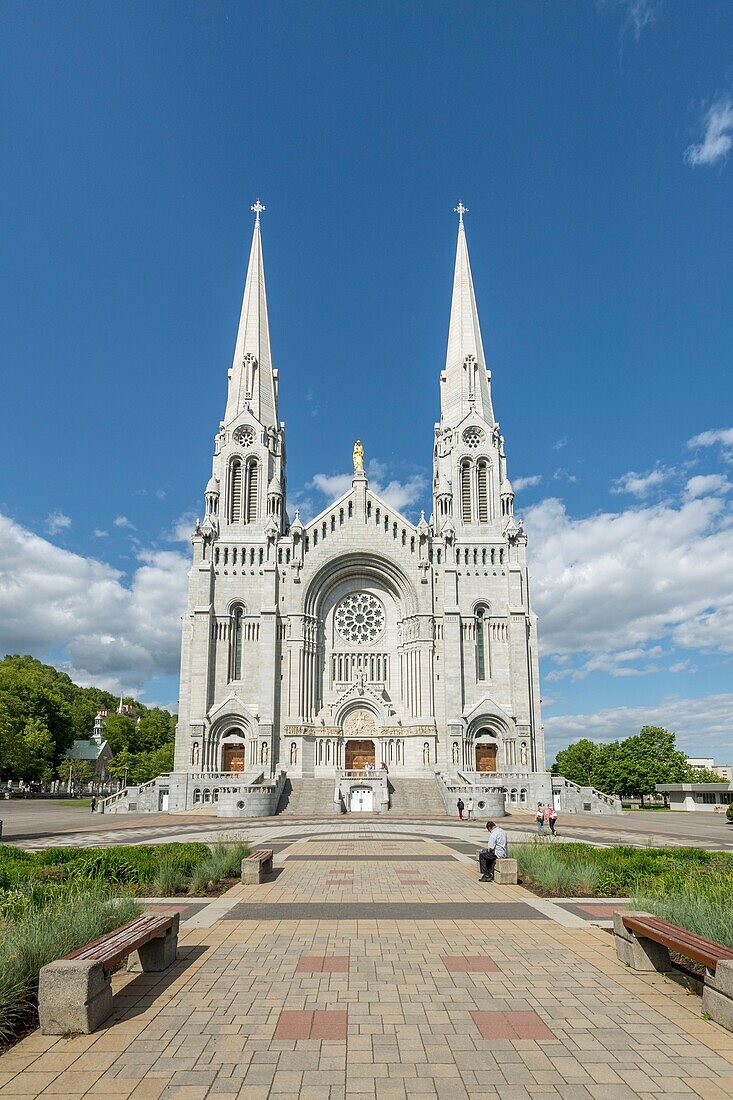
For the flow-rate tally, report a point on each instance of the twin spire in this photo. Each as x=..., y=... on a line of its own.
x=465, y=386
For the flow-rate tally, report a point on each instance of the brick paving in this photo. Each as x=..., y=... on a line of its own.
x=481, y=1004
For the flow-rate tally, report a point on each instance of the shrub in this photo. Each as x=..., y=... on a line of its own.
x=729, y=812
x=223, y=860
x=169, y=878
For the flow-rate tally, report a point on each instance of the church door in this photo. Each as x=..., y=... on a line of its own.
x=232, y=758
x=359, y=754
x=486, y=758
x=361, y=800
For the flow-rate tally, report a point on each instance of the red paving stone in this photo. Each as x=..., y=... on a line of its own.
x=322, y=1024
x=511, y=1025
x=602, y=912
x=470, y=964
x=323, y=964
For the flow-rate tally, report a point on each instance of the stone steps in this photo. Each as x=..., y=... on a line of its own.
x=306, y=798
x=415, y=798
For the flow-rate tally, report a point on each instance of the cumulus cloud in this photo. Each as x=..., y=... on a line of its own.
x=99, y=534
x=526, y=482
x=724, y=436
x=700, y=724
x=108, y=632
x=640, y=485
x=718, y=135
x=123, y=521
x=57, y=521
x=617, y=581
x=182, y=528
x=704, y=485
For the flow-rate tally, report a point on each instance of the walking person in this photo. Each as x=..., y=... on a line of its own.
x=540, y=819
x=93, y=803
x=469, y=809
x=460, y=807
x=498, y=848
x=552, y=820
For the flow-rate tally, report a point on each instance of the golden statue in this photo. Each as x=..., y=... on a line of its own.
x=358, y=456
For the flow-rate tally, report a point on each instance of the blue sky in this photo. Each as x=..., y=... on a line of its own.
x=590, y=142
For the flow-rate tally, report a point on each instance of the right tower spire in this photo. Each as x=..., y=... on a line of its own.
x=465, y=382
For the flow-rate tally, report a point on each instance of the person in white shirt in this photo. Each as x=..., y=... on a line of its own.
x=498, y=848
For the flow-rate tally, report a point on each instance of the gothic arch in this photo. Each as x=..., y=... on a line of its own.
x=370, y=567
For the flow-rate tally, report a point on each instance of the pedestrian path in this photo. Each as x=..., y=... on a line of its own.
x=377, y=967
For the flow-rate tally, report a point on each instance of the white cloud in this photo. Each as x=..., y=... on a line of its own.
x=718, y=136
x=639, y=485
x=703, y=485
x=526, y=482
x=723, y=436
x=99, y=534
x=57, y=521
x=560, y=443
x=331, y=485
x=123, y=521
x=106, y=632
x=613, y=582
x=182, y=528
x=702, y=724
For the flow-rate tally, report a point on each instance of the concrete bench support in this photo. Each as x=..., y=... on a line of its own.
x=74, y=995
x=717, y=994
x=505, y=872
x=256, y=866
x=636, y=951
x=157, y=954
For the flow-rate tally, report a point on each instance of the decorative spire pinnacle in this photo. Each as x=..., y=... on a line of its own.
x=460, y=210
x=257, y=207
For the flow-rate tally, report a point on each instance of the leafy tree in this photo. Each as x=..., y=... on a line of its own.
x=81, y=771
x=579, y=762
x=119, y=730
x=701, y=775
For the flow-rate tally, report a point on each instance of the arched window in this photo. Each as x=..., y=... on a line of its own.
x=253, y=485
x=482, y=481
x=235, y=643
x=466, y=491
x=235, y=491
x=480, y=643
x=196, y=797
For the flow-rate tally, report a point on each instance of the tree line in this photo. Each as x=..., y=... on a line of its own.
x=630, y=768
x=42, y=712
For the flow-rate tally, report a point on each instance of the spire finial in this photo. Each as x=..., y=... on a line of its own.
x=257, y=207
x=460, y=210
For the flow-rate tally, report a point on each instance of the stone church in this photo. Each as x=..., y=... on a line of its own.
x=357, y=644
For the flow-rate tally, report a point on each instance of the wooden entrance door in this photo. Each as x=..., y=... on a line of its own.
x=359, y=754
x=486, y=758
x=232, y=757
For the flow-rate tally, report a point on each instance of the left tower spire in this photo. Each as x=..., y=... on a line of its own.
x=252, y=379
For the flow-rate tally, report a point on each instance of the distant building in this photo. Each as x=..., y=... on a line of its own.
x=697, y=796
x=725, y=771
x=94, y=750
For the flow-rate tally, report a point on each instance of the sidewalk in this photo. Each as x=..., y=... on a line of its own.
x=296, y=989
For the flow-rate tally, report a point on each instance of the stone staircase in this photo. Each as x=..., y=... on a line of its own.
x=307, y=798
x=415, y=798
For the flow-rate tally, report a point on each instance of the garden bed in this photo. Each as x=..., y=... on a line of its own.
x=690, y=887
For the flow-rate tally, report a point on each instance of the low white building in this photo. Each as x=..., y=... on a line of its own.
x=725, y=771
x=715, y=797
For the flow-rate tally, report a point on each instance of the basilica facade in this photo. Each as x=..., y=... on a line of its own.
x=359, y=638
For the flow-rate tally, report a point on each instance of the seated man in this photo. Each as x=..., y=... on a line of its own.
x=498, y=848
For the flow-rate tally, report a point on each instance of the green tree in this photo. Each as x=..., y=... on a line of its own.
x=701, y=775
x=649, y=758
x=120, y=733
x=578, y=762
x=81, y=772
x=38, y=748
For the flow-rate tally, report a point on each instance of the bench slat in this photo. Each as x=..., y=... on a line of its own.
x=122, y=941
x=260, y=856
x=706, y=952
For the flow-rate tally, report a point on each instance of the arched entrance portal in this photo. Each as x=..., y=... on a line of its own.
x=232, y=757
x=485, y=758
x=358, y=754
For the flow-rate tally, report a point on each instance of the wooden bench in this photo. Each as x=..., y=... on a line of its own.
x=644, y=942
x=256, y=866
x=75, y=992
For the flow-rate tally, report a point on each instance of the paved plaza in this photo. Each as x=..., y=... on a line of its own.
x=373, y=964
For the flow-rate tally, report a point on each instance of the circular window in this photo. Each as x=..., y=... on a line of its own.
x=360, y=618
x=244, y=435
x=473, y=438
x=482, y=805
x=240, y=805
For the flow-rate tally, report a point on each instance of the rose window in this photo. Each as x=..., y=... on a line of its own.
x=360, y=618
x=244, y=435
x=473, y=437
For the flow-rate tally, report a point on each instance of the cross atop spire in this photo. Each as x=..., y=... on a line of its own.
x=460, y=210
x=257, y=208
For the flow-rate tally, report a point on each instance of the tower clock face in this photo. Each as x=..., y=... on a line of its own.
x=244, y=435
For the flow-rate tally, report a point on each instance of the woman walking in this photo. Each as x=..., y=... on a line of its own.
x=540, y=819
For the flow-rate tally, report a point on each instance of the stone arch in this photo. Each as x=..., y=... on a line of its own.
x=371, y=567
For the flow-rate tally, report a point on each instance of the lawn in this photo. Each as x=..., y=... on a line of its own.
x=688, y=886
